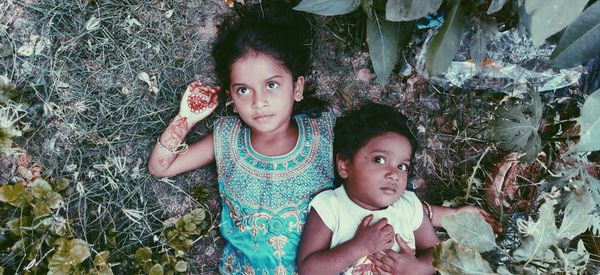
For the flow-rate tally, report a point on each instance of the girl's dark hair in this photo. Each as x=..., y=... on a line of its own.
x=358, y=127
x=270, y=28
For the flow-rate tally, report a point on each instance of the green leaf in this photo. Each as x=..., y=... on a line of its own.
x=58, y=265
x=181, y=266
x=62, y=184
x=403, y=10
x=577, y=214
x=54, y=200
x=471, y=230
x=446, y=41
x=199, y=215
x=496, y=6
x=156, y=269
x=328, y=7
x=101, y=259
x=579, y=258
x=590, y=124
x=79, y=250
x=143, y=254
x=545, y=18
x=517, y=132
x=383, y=40
x=543, y=235
x=15, y=195
x=450, y=257
x=580, y=41
x=40, y=188
x=481, y=38
x=367, y=6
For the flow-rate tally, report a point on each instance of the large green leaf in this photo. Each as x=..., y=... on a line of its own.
x=382, y=37
x=577, y=214
x=328, y=7
x=495, y=6
x=590, y=125
x=545, y=18
x=517, y=132
x=446, y=41
x=542, y=235
x=450, y=257
x=408, y=10
x=471, y=230
x=483, y=35
x=79, y=251
x=580, y=41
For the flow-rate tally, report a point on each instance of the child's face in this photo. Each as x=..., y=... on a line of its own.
x=263, y=92
x=376, y=175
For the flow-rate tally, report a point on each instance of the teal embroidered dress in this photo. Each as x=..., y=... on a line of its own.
x=265, y=199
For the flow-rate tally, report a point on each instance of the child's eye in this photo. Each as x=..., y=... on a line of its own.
x=243, y=91
x=379, y=160
x=403, y=167
x=272, y=85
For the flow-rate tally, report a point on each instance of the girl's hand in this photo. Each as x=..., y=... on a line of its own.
x=198, y=102
x=392, y=262
x=376, y=237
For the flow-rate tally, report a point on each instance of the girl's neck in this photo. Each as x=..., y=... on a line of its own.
x=275, y=143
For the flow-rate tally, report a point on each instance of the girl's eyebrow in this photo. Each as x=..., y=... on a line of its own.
x=273, y=77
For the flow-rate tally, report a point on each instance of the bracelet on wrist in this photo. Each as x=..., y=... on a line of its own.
x=428, y=210
x=180, y=149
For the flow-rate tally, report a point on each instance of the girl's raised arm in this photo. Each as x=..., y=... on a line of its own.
x=170, y=155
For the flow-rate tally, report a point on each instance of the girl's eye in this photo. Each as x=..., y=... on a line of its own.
x=243, y=90
x=379, y=160
x=272, y=85
x=403, y=167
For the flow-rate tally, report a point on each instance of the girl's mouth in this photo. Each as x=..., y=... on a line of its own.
x=261, y=118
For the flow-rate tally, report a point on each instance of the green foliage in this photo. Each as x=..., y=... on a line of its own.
x=445, y=43
x=328, y=7
x=518, y=132
x=450, y=257
x=545, y=18
x=470, y=230
x=580, y=40
x=543, y=234
x=402, y=10
x=383, y=40
x=590, y=125
x=496, y=6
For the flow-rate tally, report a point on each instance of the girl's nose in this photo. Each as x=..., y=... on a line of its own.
x=259, y=100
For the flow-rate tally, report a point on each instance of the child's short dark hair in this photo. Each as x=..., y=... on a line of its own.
x=358, y=127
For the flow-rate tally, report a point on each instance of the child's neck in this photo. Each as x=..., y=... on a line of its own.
x=275, y=144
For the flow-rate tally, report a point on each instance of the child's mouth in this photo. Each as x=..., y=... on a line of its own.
x=388, y=190
x=261, y=118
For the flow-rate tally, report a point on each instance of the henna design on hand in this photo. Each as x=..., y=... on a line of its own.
x=200, y=98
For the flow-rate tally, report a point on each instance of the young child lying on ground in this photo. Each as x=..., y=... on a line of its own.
x=370, y=224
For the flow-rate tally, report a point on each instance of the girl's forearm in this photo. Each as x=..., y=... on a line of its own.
x=425, y=262
x=169, y=145
x=332, y=261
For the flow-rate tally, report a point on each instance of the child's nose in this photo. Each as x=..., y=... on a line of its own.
x=393, y=174
x=259, y=99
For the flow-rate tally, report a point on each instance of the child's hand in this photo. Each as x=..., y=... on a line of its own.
x=376, y=237
x=392, y=262
x=198, y=101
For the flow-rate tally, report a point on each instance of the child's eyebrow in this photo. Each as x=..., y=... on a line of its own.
x=385, y=152
x=273, y=77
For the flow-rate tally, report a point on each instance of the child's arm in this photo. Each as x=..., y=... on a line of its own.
x=170, y=156
x=406, y=261
x=315, y=256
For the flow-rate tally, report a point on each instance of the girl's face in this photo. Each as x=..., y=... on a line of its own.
x=263, y=92
x=376, y=175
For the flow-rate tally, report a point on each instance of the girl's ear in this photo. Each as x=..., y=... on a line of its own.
x=342, y=166
x=299, y=89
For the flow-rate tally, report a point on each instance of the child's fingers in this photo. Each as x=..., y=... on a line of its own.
x=404, y=248
x=366, y=220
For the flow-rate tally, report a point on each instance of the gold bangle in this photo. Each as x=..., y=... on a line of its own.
x=428, y=210
x=180, y=149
